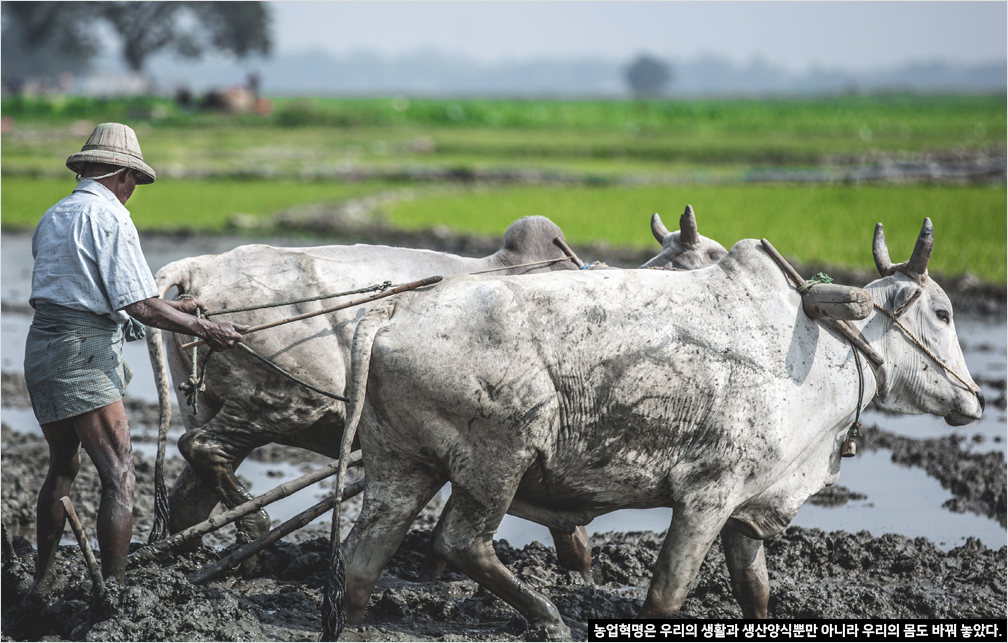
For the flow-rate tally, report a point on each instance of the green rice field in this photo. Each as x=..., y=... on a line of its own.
x=213, y=166
x=832, y=224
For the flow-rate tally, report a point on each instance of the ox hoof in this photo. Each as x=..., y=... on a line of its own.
x=549, y=632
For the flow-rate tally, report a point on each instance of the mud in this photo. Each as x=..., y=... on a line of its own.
x=813, y=574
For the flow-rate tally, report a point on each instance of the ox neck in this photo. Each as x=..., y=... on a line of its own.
x=873, y=329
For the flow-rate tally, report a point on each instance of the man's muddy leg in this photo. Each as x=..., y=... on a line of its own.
x=104, y=433
x=64, y=463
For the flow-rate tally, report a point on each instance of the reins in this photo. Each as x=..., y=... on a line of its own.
x=196, y=382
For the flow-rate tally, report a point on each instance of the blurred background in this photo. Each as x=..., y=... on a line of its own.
x=437, y=124
x=802, y=122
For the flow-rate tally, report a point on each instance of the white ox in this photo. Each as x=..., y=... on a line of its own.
x=559, y=398
x=245, y=405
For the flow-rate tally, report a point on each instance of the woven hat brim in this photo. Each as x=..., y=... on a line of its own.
x=145, y=172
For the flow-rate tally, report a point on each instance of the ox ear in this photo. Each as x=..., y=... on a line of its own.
x=906, y=294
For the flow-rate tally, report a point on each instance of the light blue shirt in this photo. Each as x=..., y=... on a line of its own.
x=88, y=257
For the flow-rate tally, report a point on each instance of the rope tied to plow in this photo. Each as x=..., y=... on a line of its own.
x=196, y=383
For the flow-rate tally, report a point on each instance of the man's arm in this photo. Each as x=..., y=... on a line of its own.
x=160, y=313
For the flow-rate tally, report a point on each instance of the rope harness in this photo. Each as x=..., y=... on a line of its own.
x=196, y=383
x=819, y=278
x=927, y=351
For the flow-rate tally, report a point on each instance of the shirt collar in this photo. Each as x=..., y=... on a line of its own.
x=94, y=187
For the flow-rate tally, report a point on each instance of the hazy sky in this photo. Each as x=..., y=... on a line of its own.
x=795, y=35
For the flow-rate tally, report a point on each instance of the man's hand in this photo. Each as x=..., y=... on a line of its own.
x=174, y=316
x=188, y=306
x=221, y=336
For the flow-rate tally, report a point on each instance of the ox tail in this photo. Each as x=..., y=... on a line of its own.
x=162, y=512
x=174, y=274
x=334, y=616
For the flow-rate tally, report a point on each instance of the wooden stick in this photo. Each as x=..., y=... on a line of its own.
x=567, y=251
x=89, y=557
x=846, y=328
x=331, y=309
x=216, y=522
x=248, y=550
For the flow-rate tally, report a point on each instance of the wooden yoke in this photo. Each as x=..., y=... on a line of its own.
x=833, y=303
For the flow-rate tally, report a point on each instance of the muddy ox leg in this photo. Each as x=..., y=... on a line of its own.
x=191, y=500
x=434, y=565
x=390, y=506
x=573, y=551
x=214, y=460
x=466, y=542
x=690, y=535
x=747, y=569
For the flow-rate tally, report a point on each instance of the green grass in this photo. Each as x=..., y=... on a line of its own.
x=829, y=224
x=179, y=204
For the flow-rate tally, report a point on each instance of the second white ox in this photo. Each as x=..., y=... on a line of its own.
x=561, y=398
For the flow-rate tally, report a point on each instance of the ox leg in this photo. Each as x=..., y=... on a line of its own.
x=747, y=569
x=573, y=551
x=388, y=511
x=466, y=542
x=191, y=500
x=434, y=564
x=689, y=537
x=214, y=461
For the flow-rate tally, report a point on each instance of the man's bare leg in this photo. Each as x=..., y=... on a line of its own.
x=104, y=434
x=64, y=462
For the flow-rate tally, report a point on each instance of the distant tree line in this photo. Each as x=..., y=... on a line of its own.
x=45, y=39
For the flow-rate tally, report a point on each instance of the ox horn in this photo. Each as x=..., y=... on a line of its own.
x=687, y=227
x=922, y=250
x=658, y=228
x=881, y=252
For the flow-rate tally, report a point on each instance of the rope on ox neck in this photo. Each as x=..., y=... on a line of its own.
x=819, y=278
x=926, y=350
x=855, y=428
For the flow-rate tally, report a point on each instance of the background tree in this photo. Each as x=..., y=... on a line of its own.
x=47, y=38
x=647, y=76
x=188, y=28
x=44, y=39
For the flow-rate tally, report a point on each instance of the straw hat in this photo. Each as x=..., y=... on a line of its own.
x=113, y=144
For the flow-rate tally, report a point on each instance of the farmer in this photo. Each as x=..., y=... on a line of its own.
x=91, y=290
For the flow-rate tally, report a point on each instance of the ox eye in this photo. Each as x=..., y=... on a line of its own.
x=943, y=315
